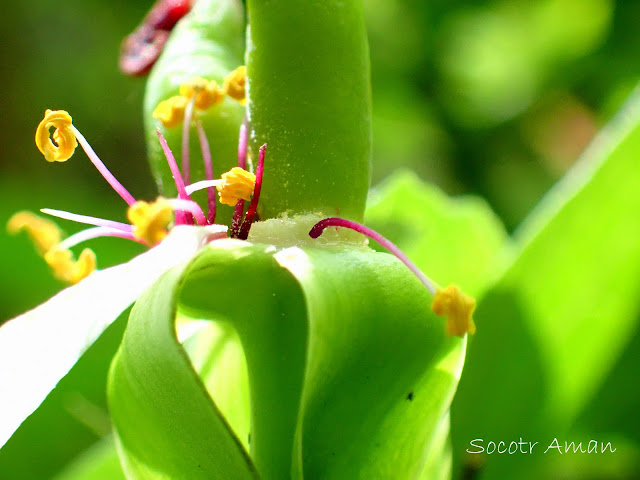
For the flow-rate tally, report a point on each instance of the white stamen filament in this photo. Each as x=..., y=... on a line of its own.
x=201, y=185
x=99, y=222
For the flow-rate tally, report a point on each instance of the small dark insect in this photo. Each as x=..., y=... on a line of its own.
x=410, y=396
x=141, y=49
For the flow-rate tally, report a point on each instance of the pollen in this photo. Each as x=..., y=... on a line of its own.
x=450, y=302
x=63, y=136
x=66, y=268
x=236, y=184
x=43, y=232
x=171, y=111
x=234, y=84
x=150, y=220
x=207, y=92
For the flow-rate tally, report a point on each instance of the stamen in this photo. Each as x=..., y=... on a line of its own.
x=206, y=93
x=253, y=206
x=188, y=206
x=150, y=220
x=208, y=172
x=108, y=176
x=236, y=183
x=171, y=111
x=449, y=302
x=202, y=184
x=458, y=308
x=99, y=222
x=186, y=127
x=234, y=84
x=66, y=268
x=318, y=228
x=175, y=172
x=43, y=232
x=95, y=232
x=236, y=222
x=60, y=121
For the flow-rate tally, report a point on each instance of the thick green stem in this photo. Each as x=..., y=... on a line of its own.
x=310, y=101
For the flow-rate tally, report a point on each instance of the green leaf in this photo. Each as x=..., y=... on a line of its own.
x=39, y=347
x=553, y=326
x=100, y=462
x=351, y=375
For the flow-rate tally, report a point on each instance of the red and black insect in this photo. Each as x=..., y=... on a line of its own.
x=141, y=49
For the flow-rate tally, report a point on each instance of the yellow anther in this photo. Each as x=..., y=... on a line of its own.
x=234, y=84
x=66, y=268
x=457, y=307
x=207, y=92
x=63, y=135
x=237, y=184
x=171, y=111
x=43, y=232
x=150, y=220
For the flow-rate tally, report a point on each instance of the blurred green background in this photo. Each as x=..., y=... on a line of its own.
x=495, y=98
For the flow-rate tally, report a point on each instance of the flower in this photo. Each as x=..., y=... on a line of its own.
x=150, y=221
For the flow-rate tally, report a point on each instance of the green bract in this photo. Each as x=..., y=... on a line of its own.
x=349, y=375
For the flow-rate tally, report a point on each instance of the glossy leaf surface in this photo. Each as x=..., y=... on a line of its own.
x=567, y=304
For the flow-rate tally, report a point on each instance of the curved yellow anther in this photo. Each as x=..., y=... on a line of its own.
x=457, y=307
x=43, y=232
x=66, y=268
x=207, y=92
x=63, y=135
x=171, y=111
x=150, y=220
x=237, y=184
x=234, y=84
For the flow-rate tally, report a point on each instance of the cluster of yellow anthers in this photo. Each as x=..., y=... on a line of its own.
x=46, y=235
x=206, y=92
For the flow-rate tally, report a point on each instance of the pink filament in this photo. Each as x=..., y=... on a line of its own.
x=108, y=176
x=236, y=222
x=253, y=206
x=189, y=206
x=208, y=173
x=186, y=125
x=181, y=218
x=319, y=227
